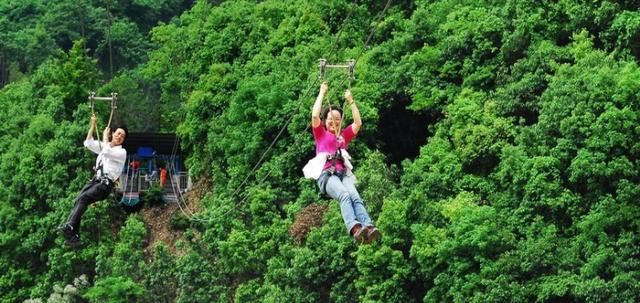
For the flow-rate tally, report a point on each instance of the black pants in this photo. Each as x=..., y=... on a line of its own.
x=95, y=190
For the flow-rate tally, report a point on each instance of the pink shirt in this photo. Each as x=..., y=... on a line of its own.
x=327, y=142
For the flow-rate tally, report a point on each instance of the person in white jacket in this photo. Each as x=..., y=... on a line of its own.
x=109, y=165
x=331, y=166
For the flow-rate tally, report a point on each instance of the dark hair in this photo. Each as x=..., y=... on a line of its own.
x=326, y=110
x=124, y=128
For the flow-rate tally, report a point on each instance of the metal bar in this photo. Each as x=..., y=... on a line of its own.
x=351, y=69
x=114, y=97
x=337, y=65
x=103, y=98
x=323, y=63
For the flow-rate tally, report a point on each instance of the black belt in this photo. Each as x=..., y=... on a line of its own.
x=104, y=180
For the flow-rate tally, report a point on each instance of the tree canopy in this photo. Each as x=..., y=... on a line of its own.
x=498, y=154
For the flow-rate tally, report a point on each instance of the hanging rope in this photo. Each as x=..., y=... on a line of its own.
x=126, y=180
x=335, y=41
x=186, y=211
x=128, y=198
x=350, y=67
x=182, y=205
x=114, y=105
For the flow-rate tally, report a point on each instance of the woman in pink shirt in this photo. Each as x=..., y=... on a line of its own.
x=332, y=167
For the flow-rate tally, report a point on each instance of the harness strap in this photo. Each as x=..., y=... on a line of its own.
x=332, y=170
x=324, y=186
x=100, y=167
x=334, y=160
x=326, y=177
x=104, y=180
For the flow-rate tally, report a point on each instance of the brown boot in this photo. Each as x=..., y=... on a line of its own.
x=373, y=234
x=359, y=233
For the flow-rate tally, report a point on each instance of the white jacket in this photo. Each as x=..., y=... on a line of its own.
x=112, y=158
x=314, y=167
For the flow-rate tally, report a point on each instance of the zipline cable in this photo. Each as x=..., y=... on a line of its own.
x=184, y=209
x=281, y=131
x=371, y=32
x=333, y=49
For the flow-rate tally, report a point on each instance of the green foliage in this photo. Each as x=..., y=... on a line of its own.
x=115, y=289
x=118, y=272
x=68, y=293
x=34, y=201
x=160, y=280
x=154, y=196
x=524, y=190
x=127, y=258
x=179, y=221
x=33, y=31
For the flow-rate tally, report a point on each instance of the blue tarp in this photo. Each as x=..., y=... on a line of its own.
x=145, y=152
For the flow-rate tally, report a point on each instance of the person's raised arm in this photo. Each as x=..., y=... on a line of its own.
x=89, y=143
x=92, y=127
x=357, y=121
x=105, y=136
x=317, y=106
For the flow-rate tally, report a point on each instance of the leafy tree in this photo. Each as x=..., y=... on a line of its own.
x=498, y=155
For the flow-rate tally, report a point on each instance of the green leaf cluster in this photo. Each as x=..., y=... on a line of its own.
x=498, y=154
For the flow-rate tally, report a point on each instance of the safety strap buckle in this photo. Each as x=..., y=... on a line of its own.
x=331, y=170
x=335, y=156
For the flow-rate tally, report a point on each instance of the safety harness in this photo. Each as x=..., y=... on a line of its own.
x=113, y=99
x=101, y=177
x=350, y=67
x=337, y=155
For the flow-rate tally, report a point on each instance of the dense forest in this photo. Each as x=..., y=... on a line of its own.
x=498, y=154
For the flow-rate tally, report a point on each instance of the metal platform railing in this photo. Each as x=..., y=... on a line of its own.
x=142, y=182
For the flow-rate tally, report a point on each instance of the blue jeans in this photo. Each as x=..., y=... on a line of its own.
x=344, y=191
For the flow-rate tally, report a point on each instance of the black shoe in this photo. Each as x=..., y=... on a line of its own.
x=74, y=240
x=66, y=230
x=69, y=234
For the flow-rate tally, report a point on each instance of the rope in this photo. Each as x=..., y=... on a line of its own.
x=373, y=29
x=93, y=114
x=130, y=182
x=255, y=167
x=113, y=99
x=126, y=179
x=188, y=213
x=184, y=209
x=273, y=142
x=134, y=174
x=113, y=107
